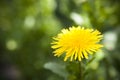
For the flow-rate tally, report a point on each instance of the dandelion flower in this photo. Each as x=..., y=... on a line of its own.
x=76, y=43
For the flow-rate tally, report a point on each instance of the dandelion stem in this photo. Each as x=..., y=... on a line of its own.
x=80, y=69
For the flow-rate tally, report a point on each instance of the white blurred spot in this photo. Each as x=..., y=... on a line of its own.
x=11, y=44
x=77, y=18
x=110, y=39
x=29, y=22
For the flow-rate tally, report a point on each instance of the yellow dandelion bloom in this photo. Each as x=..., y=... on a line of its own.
x=76, y=43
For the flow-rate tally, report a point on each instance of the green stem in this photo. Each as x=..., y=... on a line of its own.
x=80, y=69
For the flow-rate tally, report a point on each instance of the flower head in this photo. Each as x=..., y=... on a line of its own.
x=76, y=43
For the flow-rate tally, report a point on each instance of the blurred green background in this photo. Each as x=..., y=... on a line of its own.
x=27, y=28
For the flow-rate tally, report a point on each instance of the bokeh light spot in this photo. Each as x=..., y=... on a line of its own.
x=11, y=44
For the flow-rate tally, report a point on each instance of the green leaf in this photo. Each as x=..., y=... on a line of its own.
x=56, y=68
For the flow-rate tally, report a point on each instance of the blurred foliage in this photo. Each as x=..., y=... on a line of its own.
x=27, y=27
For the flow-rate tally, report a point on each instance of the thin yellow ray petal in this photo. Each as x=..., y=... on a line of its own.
x=100, y=36
x=90, y=52
x=64, y=31
x=85, y=54
x=65, y=59
x=82, y=28
x=69, y=52
x=54, y=42
x=59, y=51
x=76, y=53
x=55, y=38
x=55, y=46
x=97, y=46
x=96, y=32
x=72, y=56
x=92, y=49
x=80, y=52
x=79, y=56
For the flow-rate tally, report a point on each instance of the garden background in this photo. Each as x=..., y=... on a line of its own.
x=27, y=28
